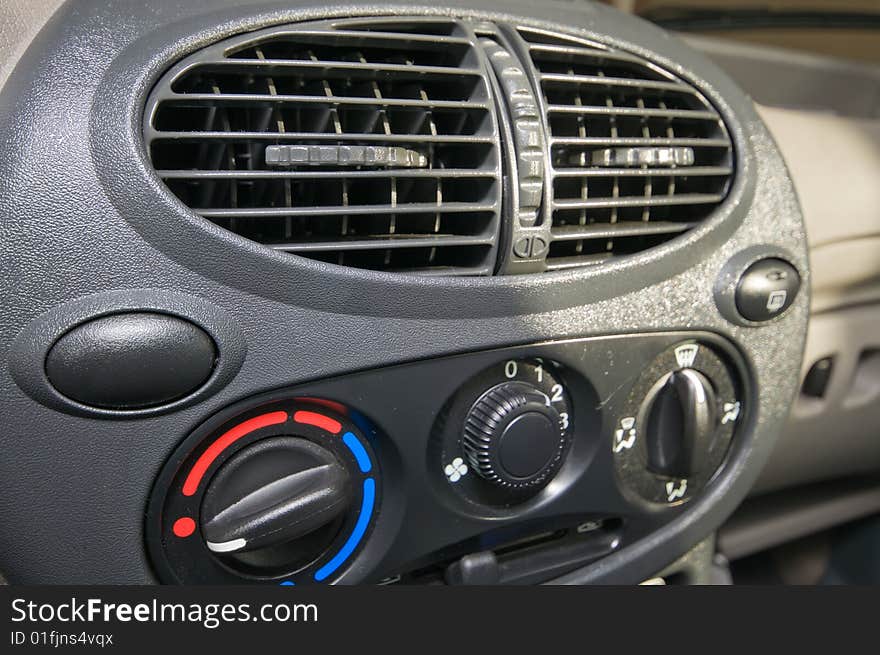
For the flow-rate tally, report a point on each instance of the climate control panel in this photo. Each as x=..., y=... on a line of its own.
x=510, y=465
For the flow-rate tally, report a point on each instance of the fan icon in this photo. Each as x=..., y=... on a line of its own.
x=455, y=470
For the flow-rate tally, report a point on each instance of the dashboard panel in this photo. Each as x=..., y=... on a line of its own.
x=584, y=400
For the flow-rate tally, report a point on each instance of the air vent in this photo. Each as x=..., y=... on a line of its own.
x=638, y=155
x=377, y=143
x=361, y=143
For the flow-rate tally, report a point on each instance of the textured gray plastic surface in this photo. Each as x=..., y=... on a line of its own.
x=82, y=213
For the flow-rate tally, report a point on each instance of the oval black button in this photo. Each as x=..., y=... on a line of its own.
x=131, y=361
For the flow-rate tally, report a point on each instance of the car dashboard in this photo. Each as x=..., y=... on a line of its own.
x=380, y=293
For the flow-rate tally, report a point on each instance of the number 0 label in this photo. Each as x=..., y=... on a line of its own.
x=510, y=369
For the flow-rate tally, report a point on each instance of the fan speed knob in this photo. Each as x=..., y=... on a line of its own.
x=513, y=436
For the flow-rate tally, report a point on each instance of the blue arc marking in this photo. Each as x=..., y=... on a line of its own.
x=357, y=449
x=360, y=527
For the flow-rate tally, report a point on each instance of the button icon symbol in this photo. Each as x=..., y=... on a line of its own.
x=776, y=300
x=686, y=355
x=731, y=412
x=455, y=470
x=625, y=436
x=673, y=491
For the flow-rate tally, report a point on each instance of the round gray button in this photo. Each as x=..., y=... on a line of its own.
x=766, y=289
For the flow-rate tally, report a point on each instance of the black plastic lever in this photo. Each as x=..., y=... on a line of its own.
x=252, y=506
x=681, y=420
x=531, y=565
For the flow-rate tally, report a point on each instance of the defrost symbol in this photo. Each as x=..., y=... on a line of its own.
x=686, y=355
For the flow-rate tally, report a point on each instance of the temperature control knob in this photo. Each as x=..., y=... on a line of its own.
x=514, y=436
x=275, y=491
x=282, y=496
x=282, y=491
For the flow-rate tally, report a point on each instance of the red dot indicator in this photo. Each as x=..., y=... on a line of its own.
x=184, y=527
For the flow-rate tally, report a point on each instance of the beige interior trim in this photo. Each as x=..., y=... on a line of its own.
x=835, y=164
x=20, y=20
x=839, y=434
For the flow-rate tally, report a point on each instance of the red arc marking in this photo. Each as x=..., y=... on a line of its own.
x=203, y=463
x=318, y=420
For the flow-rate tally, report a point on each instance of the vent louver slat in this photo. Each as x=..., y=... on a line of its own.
x=395, y=163
x=638, y=156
